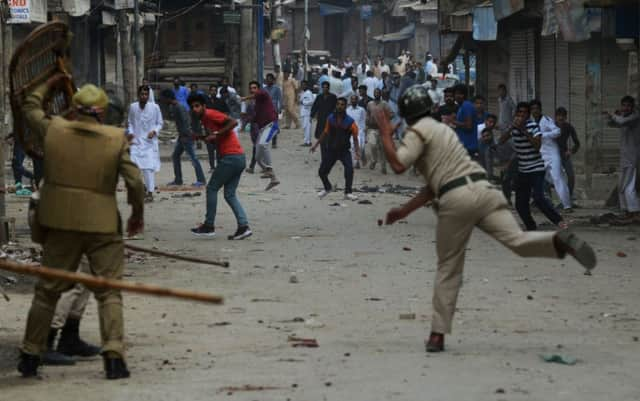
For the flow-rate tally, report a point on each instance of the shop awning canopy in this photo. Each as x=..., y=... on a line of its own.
x=332, y=7
x=405, y=33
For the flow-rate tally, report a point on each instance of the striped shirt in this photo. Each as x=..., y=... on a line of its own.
x=529, y=158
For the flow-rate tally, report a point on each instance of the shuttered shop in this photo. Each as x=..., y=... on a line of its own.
x=553, y=80
x=577, y=93
x=522, y=75
x=614, y=87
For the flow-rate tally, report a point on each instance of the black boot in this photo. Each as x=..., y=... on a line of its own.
x=115, y=368
x=70, y=342
x=53, y=357
x=28, y=365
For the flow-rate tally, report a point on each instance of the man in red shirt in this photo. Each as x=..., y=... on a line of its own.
x=231, y=164
x=266, y=119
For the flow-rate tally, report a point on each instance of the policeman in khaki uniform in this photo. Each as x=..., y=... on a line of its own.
x=78, y=215
x=464, y=200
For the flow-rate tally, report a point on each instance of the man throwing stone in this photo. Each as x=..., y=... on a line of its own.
x=338, y=132
x=464, y=199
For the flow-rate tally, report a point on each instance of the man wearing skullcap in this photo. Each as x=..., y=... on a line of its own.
x=78, y=215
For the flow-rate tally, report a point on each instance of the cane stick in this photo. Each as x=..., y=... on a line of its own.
x=101, y=282
x=174, y=256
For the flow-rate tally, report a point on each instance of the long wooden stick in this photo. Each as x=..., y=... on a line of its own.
x=174, y=256
x=101, y=282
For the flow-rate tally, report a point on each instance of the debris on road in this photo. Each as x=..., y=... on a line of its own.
x=558, y=358
x=247, y=387
x=407, y=316
x=365, y=202
x=406, y=248
x=303, y=342
x=293, y=279
x=373, y=299
x=621, y=254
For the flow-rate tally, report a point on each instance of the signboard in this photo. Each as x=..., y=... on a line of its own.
x=122, y=4
x=366, y=12
x=231, y=18
x=27, y=11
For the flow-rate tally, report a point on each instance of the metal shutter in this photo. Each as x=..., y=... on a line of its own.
x=497, y=72
x=547, y=83
x=614, y=87
x=577, y=93
x=562, y=74
x=522, y=72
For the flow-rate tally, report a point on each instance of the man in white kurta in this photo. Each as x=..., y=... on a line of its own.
x=551, y=154
x=306, y=102
x=145, y=123
x=359, y=115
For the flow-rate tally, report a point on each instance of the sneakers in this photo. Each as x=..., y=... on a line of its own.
x=435, y=343
x=267, y=174
x=249, y=170
x=174, y=184
x=241, y=233
x=148, y=198
x=323, y=193
x=350, y=197
x=272, y=184
x=568, y=242
x=204, y=230
x=198, y=184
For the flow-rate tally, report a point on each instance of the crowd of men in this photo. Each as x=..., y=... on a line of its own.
x=363, y=115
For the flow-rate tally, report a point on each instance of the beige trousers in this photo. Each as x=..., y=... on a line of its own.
x=71, y=304
x=374, y=149
x=63, y=250
x=459, y=211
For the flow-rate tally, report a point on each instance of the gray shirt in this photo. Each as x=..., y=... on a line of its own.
x=629, y=137
x=276, y=96
x=506, y=111
x=183, y=121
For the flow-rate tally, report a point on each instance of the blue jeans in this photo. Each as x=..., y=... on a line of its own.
x=226, y=175
x=211, y=151
x=181, y=147
x=17, y=164
x=528, y=184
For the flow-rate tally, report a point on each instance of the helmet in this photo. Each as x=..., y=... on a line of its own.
x=90, y=96
x=414, y=103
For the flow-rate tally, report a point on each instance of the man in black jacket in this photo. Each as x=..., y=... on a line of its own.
x=324, y=105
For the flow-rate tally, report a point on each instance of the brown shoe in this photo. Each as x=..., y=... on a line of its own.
x=435, y=343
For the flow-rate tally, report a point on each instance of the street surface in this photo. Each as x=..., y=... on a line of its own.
x=325, y=272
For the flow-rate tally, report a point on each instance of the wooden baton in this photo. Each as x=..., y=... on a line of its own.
x=174, y=256
x=101, y=282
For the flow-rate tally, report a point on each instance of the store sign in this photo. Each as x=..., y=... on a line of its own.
x=366, y=12
x=231, y=18
x=27, y=11
x=123, y=4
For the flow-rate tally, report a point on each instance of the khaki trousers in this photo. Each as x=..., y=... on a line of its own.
x=63, y=250
x=459, y=211
x=374, y=149
x=291, y=116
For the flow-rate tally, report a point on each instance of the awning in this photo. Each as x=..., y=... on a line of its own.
x=331, y=7
x=485, y=26
x=430, y=5
x=405, y=33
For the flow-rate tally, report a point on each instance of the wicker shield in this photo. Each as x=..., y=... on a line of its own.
x=43, y=53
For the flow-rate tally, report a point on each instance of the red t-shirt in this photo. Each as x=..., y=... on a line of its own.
x=228, y=143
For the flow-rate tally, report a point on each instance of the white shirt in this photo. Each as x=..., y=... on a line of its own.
x=144, y=151
x=152, y=98
x=359, y=115
x=361, y=73
x=550, y=133
x=335, y=86
x=347, y=89
x=306, y=102
x=372, y=84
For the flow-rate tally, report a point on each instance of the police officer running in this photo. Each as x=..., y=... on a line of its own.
x=465, y=199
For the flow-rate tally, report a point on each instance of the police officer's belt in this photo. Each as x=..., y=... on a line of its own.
x=458, y=182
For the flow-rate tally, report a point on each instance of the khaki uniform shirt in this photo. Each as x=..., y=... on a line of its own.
x=436, y=152
x=82, y=162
